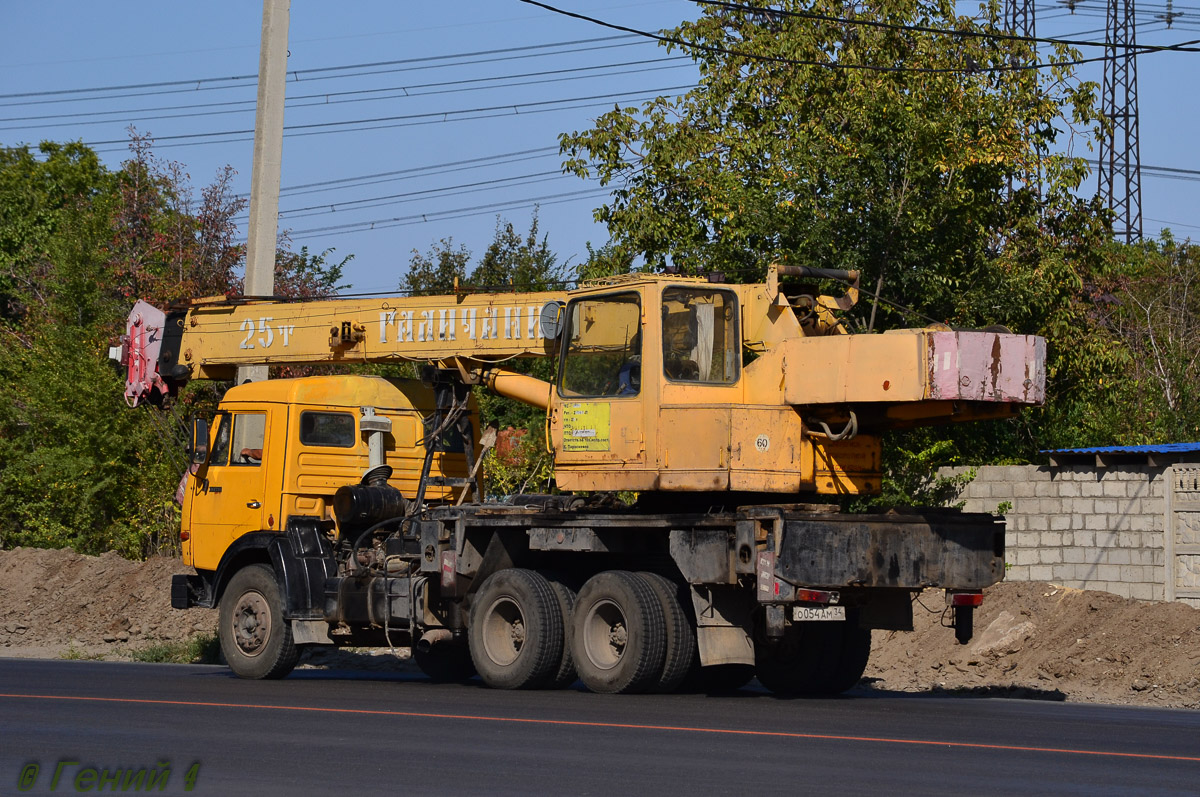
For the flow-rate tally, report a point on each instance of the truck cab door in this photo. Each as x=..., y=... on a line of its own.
x=229, y=492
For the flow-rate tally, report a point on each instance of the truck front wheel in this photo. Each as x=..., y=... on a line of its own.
x=256, y=640
x=516, y=630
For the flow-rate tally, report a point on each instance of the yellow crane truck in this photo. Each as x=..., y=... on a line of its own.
x=350, y=509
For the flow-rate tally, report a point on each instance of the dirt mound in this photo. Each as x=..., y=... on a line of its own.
x=61, y=599
x=1031, y=640
x=1041, y=640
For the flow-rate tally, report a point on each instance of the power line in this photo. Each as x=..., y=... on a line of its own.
x=977, y=34
x=312, y=71
x=1175, y=223
x=1168, y=172
x=404, y=95
x=433, y=168
x=454, y=190
x=351, y=205
x=449, y=118
x=972, y=67
x=418, y=218
x=1074, y=5
x=294, y=101
x=367, y=180
x=379, y=122
x=197, y=85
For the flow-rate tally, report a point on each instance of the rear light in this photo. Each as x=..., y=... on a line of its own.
x=964, y=598
x=185, y=536
x=816, y=596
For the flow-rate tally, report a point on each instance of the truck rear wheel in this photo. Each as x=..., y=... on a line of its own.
x=565, y=675
x=516, y=630
x=255, y=639
x=680, y=637
x=619, y=635
x=814, y=659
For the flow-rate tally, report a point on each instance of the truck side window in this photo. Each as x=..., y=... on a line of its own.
x=249, y=429
x=700, y=336
x=603, y=356
x=327, y=429
x=220, y=448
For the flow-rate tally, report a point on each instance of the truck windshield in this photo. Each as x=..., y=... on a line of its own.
x=604, y=347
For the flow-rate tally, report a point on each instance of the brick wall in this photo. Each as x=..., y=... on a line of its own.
x=1079, y=526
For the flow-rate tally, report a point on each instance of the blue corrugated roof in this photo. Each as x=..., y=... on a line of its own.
x=1166, y=448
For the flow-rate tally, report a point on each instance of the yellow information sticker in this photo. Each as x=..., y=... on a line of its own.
x=586, y=426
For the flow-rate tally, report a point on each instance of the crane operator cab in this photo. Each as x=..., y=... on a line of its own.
x=652, y=395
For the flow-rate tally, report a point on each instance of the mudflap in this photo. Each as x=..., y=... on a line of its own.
x=303, y=560
x=190, y=590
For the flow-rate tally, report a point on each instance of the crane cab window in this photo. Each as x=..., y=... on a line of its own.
x=603, y=355
x=700, y=336
x=335, y=429
x=249, y=429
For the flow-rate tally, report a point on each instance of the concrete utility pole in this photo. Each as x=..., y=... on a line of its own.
x=268, y=156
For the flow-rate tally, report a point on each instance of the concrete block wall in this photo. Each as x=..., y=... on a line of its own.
x=1079, y=526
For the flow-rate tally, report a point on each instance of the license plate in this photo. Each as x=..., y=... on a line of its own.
x=811, y=613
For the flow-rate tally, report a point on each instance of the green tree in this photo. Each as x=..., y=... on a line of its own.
x=76, y=467
x=1151, y=304
x=436, y=271
x=515, y=263
x=305, y=275
x=78, y=244
x=606, y=261
x=49, y=200
x=820, y=142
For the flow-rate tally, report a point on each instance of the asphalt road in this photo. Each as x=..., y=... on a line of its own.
x=320, y=732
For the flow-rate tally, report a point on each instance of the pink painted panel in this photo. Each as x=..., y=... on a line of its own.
x=986, y=366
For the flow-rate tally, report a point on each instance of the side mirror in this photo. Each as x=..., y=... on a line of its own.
x=198, y=442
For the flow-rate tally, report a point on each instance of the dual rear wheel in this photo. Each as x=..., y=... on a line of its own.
x=623, y=632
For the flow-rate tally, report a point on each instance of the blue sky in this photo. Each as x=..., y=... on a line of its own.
x=465, y=129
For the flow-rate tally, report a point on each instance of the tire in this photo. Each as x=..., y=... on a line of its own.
x=516, y=630
x=814, y=659
x=856, y=652
x=565, y=675
x=255, y=639
x=445, y=662
x=618, y=634
x=680, y=638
